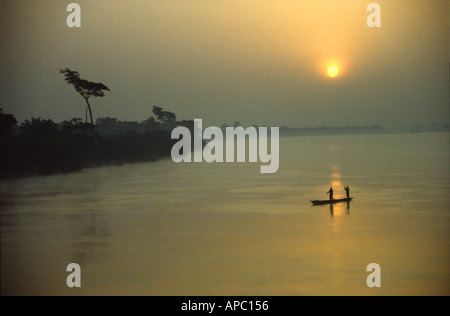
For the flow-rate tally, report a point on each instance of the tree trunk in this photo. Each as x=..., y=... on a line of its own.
x=90, y=111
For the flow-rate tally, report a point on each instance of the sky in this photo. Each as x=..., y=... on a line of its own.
x=259, y=62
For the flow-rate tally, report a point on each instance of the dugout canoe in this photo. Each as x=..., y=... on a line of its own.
x=323, y=202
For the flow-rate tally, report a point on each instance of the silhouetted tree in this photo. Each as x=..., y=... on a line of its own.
x=85, y=88
x=150, y=125
x=165, y=117
x=38, y=128
x=7, y=124
x=75, y=126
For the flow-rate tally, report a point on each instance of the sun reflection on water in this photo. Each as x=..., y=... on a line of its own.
x=338, y=211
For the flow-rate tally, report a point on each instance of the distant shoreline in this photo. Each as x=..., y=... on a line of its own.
x=373, y=130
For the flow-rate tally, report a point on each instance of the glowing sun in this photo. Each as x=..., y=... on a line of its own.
x=333, y=72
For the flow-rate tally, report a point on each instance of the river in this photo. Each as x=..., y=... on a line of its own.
x=163, y=228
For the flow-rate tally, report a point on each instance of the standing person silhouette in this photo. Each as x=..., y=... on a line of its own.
x=347, y=190
x=330, y=193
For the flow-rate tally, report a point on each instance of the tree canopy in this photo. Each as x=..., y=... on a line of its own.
x=7, y=123
x=164, y=117
x=84, y=87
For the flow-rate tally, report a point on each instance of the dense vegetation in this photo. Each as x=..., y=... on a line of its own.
x=40, y=146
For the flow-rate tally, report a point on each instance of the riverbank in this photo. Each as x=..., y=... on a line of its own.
x=47, y=151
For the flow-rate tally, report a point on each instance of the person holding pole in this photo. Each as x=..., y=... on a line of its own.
x=331, y=193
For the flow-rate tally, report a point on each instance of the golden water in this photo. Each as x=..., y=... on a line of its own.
x=225, y=229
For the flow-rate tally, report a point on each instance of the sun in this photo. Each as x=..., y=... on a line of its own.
x=333, y=72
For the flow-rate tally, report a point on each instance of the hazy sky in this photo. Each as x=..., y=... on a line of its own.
x=254, y=61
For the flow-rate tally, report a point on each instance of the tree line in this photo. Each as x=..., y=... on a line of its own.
x=39, y=146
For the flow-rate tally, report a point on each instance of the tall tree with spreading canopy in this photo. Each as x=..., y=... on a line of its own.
x=85, y=88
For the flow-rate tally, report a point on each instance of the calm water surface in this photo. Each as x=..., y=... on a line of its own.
x=225, y=229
